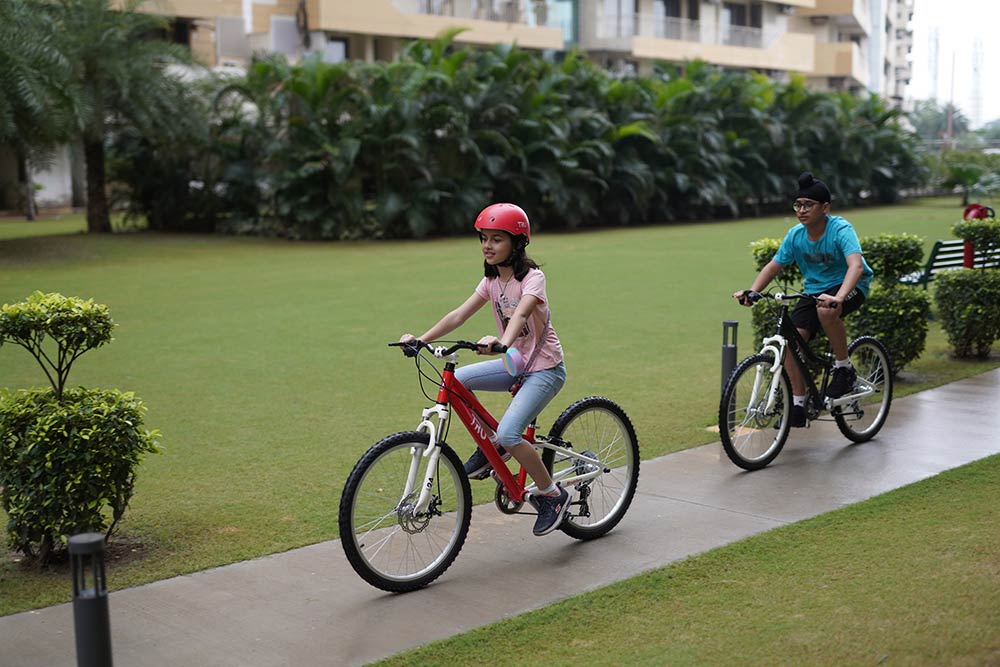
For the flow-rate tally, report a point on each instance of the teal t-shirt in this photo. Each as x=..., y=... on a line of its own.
x=823, y=263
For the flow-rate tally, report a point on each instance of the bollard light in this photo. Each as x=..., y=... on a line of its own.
x=90, y=601
x=728, y=350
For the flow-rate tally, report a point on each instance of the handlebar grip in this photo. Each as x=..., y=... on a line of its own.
x=499, y=348
x=751, y=297
x=411, y=349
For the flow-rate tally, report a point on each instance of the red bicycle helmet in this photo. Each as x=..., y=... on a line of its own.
x=507, y=218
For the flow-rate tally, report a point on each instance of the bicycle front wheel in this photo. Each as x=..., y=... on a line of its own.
x=601, y=428
x=860, y=420
x=753, y=433
x=390, y=543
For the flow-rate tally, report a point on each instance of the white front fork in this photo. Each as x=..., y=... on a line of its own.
x=776, y=346
x=432, y=420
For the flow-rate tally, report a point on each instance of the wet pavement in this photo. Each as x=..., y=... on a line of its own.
x=308, y=607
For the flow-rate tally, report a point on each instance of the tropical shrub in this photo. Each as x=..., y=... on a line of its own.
x=966, y=303
x=67, y=457
x=418, y=146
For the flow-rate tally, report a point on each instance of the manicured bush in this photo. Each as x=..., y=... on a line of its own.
x=67, y=466
x=896, y=315
x=892, y=256
x=67, y=457
x=981, y=233
x=967, y=307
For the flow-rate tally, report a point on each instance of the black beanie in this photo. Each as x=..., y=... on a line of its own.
x=811, y=187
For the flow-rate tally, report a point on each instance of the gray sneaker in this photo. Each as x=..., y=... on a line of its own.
x=551, y=511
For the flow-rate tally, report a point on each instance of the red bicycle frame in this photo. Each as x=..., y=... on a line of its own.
x=480, y=424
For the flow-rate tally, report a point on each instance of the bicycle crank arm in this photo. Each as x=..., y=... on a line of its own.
x=864, y=390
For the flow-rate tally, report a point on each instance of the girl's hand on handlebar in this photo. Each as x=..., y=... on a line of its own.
x=411, y=344
x=489, y=345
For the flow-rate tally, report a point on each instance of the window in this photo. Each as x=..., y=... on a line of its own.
x=743, y=14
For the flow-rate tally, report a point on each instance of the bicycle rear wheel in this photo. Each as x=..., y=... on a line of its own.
x=752, y=434
x=600, y=427
x=862, y=419
x=388, y=543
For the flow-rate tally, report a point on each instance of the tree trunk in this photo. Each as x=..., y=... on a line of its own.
x=98, y=216
x=30, y=207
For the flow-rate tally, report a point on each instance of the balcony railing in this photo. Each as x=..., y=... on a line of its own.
x=528, y=12
x=624, y=25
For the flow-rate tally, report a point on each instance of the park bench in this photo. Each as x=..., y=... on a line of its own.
x=948, y=255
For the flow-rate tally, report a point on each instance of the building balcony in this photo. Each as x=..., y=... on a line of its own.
x=849, y=15
x=531, y=24
x=194, y=9
x=650, y=37
x=844, y=60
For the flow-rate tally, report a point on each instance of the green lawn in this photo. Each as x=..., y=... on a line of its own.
x=264, y=363
x=911, y=577
x=15, y=228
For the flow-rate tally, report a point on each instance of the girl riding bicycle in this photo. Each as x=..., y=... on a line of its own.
x=515, y=286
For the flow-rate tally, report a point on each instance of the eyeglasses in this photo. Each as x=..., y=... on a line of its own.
x=804, y=207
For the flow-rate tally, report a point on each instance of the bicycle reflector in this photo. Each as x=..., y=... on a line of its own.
x=513, y=362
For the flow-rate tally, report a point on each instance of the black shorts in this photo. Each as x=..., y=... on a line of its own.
x=804, y=316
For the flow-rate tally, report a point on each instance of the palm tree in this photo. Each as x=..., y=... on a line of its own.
x=123, y=75
x=38, y=105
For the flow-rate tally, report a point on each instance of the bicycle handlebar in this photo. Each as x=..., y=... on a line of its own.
x=754, y=297
x=413, y=349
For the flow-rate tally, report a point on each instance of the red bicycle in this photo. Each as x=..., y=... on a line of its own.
x=407, y=505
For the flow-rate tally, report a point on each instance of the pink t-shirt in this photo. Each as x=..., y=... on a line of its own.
x=504, y=297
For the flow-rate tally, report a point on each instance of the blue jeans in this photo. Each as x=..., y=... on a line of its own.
x=538, y=388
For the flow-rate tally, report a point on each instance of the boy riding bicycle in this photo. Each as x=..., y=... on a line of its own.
x=827, y=251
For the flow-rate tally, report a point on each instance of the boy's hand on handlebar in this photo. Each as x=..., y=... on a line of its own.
x=743, y=296
x=827, y=301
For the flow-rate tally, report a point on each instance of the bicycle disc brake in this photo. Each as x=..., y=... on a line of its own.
x=411, y=521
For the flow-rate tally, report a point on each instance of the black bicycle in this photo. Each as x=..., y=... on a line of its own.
x=754, y=414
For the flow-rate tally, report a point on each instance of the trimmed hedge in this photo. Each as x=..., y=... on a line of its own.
x=67, y=466
x=967, y=306
x=67, y=456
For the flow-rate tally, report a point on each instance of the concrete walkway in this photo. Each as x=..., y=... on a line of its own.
x=307, y=607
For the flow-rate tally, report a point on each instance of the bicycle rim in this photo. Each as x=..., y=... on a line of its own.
x=862, y=419
x=389, y=544
x=751, y=434
x=599, y=427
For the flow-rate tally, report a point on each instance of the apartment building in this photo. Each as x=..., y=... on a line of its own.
x=851, y=45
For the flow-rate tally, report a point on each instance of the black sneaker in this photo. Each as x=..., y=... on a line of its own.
x=797, y=418
x=478, y=466
x=551, y=511
x=843, y=381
